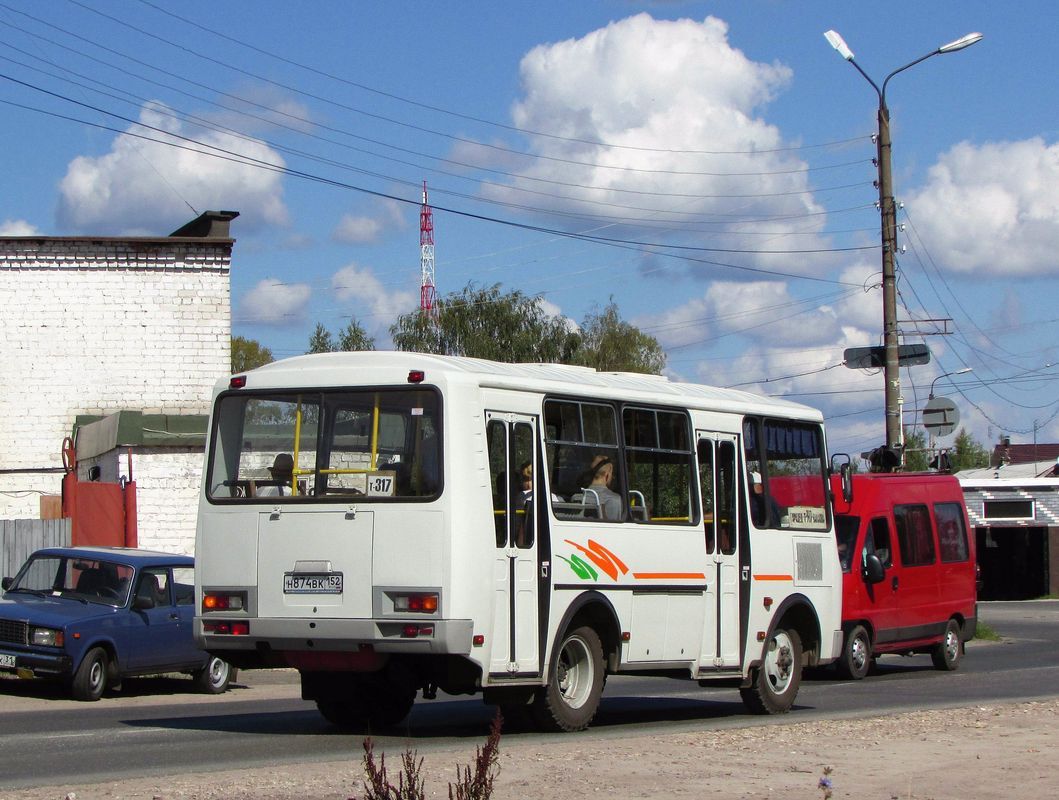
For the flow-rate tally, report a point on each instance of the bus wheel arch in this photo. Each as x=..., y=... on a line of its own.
x=588, y=643
x=792, y=642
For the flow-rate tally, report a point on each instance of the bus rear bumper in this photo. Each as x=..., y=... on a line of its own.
x=423, y=636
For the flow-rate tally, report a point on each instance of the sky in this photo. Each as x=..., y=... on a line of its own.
x=706, y=166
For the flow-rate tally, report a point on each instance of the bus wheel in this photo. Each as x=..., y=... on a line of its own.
x=571, y=698
x=776, y=680
x=856, y=654
x=946, y=653
x=344, y=714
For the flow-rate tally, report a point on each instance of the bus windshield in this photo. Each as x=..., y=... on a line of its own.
x=333, y=444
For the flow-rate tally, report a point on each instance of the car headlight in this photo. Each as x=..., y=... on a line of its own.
x=46, y=637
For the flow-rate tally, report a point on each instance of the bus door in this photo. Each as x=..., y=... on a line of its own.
x=717, y=478
x=513, y=468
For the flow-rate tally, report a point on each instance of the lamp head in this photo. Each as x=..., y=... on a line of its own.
x=837, y=42
x=962, y=42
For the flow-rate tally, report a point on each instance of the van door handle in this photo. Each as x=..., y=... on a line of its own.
x=893, y=583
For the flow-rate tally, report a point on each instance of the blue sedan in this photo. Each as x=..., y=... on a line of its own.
x=91, y=616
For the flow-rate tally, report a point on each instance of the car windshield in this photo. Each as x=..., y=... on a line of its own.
x=89, y=579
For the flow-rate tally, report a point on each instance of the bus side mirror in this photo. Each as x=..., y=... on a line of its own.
x=847, y=482
x=873, y=569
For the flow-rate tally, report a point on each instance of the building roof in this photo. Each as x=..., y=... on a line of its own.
x=1041, y=453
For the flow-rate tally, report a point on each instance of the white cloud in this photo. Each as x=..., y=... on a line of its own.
x=367, y=228
x=143, y=188
x=992, y=210
x=642, y=83
x=17, y=227
x=373, y=304
x=272, y=302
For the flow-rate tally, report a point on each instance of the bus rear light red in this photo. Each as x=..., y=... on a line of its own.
x=416, y=376
x=237, y=382
x=419, y=603
x=413, y=631
x=236, y=628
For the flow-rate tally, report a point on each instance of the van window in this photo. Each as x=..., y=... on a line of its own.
x=914, y=535
x=877, y=541
x=846, y=528
x=952, y=533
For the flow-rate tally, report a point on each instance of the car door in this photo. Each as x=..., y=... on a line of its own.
x=157, y=639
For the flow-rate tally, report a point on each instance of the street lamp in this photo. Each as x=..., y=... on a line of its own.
x=891, y=369
x=963, y=371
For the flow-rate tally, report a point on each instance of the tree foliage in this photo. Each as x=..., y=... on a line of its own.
x=487, y=323
x=610, y=344
x=248, y=354
x=917, y=457
x=321, y=341
x=967, y=452
x=354, y=337
x=484, y=322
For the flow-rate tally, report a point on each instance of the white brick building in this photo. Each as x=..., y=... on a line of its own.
x=97, y=325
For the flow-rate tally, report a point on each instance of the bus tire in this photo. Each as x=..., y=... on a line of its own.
x=856, y=654
x=215, y=677
x=345, y=714
x=946, y=653
x=776, y=680
x=571, y=698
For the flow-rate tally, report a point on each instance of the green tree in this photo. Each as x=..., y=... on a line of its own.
x=487, y=323
x=248, y=354
x=967, y=452
x=611, y=345
x=320, y=341
x=917, y=457
x=354, y=337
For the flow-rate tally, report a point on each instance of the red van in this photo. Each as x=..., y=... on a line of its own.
x=908, y=568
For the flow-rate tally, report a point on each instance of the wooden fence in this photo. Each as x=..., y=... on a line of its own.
x=20, y=537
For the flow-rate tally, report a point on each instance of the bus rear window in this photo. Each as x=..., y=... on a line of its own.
x=371, y=445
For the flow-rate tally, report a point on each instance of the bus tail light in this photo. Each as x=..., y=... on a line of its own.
x=223, y=601
x=412, y=631
x=226, y=628
x=419, y=603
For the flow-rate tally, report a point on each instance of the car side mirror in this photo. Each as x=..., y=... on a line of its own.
x=873, y=569
x=140, y=603
x=6, y=583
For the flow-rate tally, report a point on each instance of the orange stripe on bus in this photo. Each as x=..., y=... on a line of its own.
x=773, y=577
x=654, y=576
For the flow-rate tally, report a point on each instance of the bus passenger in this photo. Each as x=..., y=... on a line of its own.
x=601, y=474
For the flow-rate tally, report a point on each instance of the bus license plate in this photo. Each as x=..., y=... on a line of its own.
x=7, y=660
x=312, y=583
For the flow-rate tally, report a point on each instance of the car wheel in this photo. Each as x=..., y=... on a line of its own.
x=575, y=684
x=214, y=677
x=856, y=654
x=91, y=677
x=946, y=653
x=777, y=678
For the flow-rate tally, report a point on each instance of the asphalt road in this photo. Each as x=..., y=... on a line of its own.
x=160, y=726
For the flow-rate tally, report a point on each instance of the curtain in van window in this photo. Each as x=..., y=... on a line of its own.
x=914, y=536
x=952, y=533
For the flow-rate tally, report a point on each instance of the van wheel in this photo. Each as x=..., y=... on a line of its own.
x=91, y=677
x=571, y=698
x=946, y=653
x=214, y=677
x=776, y=681
x=856, y=654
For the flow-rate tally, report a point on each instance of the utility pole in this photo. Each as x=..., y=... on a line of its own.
x=888, y=215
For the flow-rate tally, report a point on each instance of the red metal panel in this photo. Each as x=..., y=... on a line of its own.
x=99, y=516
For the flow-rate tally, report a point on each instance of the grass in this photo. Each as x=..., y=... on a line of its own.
x=985, y=632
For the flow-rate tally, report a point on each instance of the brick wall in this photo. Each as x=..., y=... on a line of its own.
x=92, y=326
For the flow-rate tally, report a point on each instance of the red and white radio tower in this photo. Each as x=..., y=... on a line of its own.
x=426, y=255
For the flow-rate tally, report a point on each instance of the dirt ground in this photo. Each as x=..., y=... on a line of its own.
x=997, y=751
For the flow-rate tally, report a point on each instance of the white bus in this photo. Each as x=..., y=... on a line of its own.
x=515, y=530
